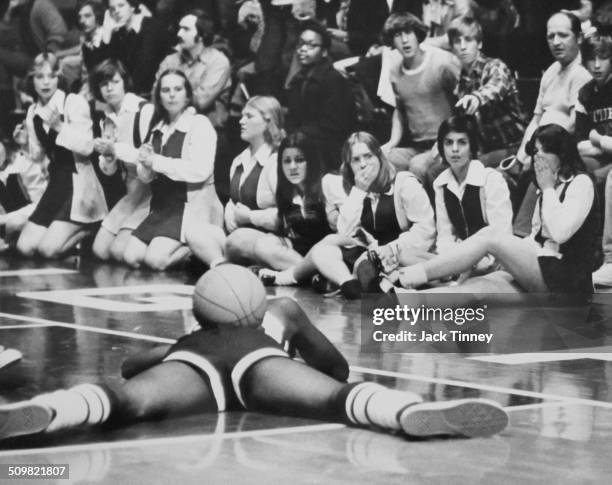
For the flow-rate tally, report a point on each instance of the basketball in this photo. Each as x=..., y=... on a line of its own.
x=229, y=295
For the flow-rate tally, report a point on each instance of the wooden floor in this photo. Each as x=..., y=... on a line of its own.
x=75, y=321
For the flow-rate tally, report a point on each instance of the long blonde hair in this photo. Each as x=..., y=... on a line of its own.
x=271, y=111
x=386, y=173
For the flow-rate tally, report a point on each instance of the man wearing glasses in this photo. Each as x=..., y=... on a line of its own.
x=318, y=98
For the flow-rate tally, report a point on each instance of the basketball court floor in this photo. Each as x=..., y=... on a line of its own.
x=75, y=321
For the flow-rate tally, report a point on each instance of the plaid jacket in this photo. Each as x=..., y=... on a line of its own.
x=501, y=117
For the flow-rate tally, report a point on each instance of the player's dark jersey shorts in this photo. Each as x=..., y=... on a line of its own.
x=224, y=354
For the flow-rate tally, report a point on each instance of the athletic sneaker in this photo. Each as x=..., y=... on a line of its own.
x=8, y=356
x=603, y=276
x=464, y=417
x=23, y=418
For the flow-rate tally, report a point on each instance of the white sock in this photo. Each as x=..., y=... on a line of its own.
x=385, y=406
x=84, y=404
x=97, y=400
x=413, y=276
x=373, y=404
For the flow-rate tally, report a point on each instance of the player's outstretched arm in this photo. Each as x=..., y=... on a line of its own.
x=313, y=346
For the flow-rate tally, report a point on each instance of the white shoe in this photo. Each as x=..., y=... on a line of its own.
x=463, y=417
x=8, y=356
x=23, y=418
x=603, y=276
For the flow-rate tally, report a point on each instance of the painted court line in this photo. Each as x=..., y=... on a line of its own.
x=484, y=387
x=535, y=357
x=148, y=298
x=25, y=325
x=166, y=441
x=86, y=328
x=35, y=272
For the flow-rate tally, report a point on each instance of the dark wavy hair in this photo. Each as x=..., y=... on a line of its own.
x=97, y=7
x=160, y=111
x=557, y=140
x=104, y=72
x=403, y=22
x=205, y=25
x=285, y=190
x=459, y=124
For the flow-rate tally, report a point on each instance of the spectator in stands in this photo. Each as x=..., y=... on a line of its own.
x=319, y=100
x=208, y=71
x=562, y=80
x=556, y=103
x=560, y=253
x=383, y=211
x=22, y=183
x=59, y=131
x=424, y=83
x=594, y=130
x=469, y=196
x=93, y=48
x=140, y=42
x=252, y=204
x=177, y=159
x=594, y=107
x=27, y=27
x=122, y=128
x=302, y=216
x=487, y=89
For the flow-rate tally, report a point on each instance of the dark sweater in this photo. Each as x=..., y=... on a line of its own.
x=142, y=52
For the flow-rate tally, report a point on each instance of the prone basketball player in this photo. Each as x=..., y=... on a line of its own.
x=225, y=365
